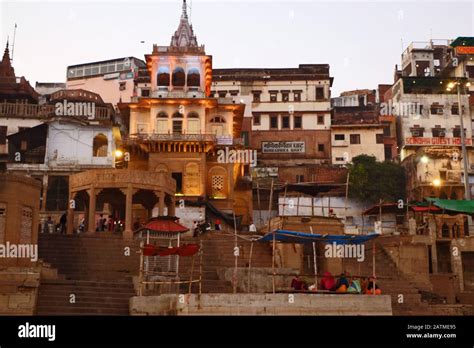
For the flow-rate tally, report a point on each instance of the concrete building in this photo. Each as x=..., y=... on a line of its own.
x=429, y=122
x=291, y=115
x=113, y=79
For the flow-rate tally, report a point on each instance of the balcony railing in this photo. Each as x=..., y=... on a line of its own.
x=169, y=137
x=43, y=111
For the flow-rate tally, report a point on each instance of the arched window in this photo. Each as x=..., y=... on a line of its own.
x=194, y=78
x=218, y=119
x=194, y=124
x=57, y=193
x=100, y=146
x=177, y=114
x=162, y=123
x=179, y=77
x=163, y=78
x=445, y=231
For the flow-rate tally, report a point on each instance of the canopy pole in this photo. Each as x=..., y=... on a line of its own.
x=273, y=261
x=250, y=264
x=259, y=206
x=314, y=262
x=373, y=266
x=200, y=274
x=270, y=206
x=140, y=276
x=236, y=254
x=192, y=272
x=380, y=216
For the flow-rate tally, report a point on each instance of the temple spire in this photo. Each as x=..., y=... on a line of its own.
x=6, y=54
x=184, y=14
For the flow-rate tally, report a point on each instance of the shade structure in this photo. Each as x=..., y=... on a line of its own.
x=459, y=206
x=165, y=224
x=285, y=236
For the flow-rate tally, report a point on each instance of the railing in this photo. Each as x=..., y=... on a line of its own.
x=169, y=137
x=43, y=111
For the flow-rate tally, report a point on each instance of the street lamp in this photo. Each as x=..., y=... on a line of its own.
x=437, y=182
x=467, y=191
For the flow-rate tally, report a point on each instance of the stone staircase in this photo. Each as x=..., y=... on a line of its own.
x=409, y=296
x=94, y=274
x=218, y=253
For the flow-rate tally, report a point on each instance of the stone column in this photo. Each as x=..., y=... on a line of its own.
x=44, y=194
x=128, y=233
x=161, y=203
x=172, y=206
x=91, y=218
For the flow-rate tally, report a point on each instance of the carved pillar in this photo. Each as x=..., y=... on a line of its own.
x=172, y=206
x=91, y=217
x=44, y=194
x=129, y=191
x=161, y=203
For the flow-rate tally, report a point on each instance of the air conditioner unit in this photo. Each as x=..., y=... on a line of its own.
x=442, y=134
x=439, y=111
x=415, y=133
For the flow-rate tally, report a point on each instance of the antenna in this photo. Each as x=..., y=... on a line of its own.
x=190, y=11
x=13, y=44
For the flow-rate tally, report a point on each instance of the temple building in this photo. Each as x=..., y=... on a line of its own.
x=179, y=132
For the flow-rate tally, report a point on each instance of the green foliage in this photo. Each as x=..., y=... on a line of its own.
x=371, y=181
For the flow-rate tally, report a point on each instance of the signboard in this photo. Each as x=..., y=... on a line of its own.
x=437, y=141
x=224, y=140
x=111, y=76
x=283, y=147
x=465, y=49
x=265, y=172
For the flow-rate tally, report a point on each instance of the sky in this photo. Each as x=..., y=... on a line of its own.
x=361, y=40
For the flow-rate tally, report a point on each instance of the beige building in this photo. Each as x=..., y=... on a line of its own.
x=351, y=140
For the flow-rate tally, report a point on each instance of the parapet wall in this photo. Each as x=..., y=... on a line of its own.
x=261, y=304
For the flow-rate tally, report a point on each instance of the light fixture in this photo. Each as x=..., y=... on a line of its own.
x=437, y=182
x=424, y=159
x=118, y=153
x=451, y=85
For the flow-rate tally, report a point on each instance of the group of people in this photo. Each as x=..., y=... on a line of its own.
x=344, y=284
x=200, y=227
x=109, y=225
x=50, y=227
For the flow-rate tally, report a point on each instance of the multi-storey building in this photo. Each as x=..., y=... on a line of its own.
x=177, y=128
x=290, y=115
x=429, y=122
x=113, y=79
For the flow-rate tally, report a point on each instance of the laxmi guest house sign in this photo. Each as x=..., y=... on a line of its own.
x=283, y=147
x=437, y=141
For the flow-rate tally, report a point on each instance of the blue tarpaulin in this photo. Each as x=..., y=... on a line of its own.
x=302, y=237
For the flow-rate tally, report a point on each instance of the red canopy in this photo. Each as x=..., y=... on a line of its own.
x=184, y=250
x=165, y=225
x=425, y=209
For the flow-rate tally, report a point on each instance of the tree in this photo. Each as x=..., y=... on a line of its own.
x=370, y=181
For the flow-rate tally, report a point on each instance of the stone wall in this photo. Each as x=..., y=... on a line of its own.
x=18, y=291
x=261, y=304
